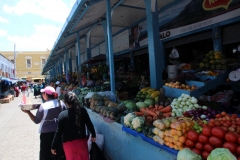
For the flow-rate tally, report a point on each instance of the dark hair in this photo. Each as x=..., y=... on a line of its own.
x=52, y=96
x=70, y=98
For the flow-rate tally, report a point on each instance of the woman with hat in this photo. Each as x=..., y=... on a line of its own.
x=47, y=116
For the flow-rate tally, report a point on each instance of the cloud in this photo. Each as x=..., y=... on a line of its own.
x=3, y=33
x=43, y=38
x=55, y=10
x=3, y=20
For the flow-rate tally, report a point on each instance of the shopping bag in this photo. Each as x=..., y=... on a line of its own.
x=99, y=141
x=96, y=153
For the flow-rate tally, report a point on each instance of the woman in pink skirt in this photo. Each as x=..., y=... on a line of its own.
x=71, y=130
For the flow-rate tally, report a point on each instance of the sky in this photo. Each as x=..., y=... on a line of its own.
x=33, y=25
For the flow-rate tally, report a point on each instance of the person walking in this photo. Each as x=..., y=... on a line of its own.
x=71, y=130
x=47, y=115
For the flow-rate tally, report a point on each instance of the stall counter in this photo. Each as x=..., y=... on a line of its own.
x=119, y=145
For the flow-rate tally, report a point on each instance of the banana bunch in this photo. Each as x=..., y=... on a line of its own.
x=102, y=69
x=155, y=94
x=94, y=69
x=144, y=89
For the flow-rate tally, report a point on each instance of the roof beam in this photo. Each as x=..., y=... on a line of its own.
x=86, y=7
x=133, y=7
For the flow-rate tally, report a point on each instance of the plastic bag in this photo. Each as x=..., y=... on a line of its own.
x=109, y=94
x=99, y=141
x=96, y=153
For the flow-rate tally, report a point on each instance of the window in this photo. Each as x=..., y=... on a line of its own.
x=43, y=62
x=29, y=63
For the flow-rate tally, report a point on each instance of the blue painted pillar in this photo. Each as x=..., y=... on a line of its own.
x=79, y=54
x=70, y=63
x=104, y=24
x=60, y=67
x=217, y=38
x=132, y=60
x=66, y=62
x=110, y=45
x=155, y=46
x=88, y=45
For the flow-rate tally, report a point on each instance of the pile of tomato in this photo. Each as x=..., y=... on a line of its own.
x=221, y=132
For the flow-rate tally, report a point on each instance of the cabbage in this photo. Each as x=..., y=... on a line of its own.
x=187, y=154
x=221, y=154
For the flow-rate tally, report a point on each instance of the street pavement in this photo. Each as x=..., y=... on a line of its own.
x=19, y=137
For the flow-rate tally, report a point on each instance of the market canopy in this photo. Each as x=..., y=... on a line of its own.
x=96, y=59
x=88, y=15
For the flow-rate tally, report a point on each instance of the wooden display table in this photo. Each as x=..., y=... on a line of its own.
x=7, y=100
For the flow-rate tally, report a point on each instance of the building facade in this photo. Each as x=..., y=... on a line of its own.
x=29, y=64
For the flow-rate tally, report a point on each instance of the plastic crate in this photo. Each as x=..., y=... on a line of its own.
x=175, y=92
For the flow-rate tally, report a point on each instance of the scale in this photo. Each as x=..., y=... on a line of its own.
x=234, y=75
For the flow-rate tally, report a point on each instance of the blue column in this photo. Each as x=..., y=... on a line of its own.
x=70, y=64
x=155, y=46
x=132, y=60
x=110, y=45
x=217, y=38
x=66, y=62
x=104, y=24
x=60, y=68
x=79, y=54
x=88, y=45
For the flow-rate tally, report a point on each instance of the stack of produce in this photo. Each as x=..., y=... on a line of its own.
x=183, y=86
x=147, y=93
x=221, y=132
x=152, y=112
x=214, y=60
x=134, y=122
x=182, y=104
x=203, y=113
x=171, y=131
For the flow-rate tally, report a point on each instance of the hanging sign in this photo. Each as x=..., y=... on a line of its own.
x=214, y=4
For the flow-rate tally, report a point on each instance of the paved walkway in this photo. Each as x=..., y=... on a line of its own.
x=19, y=137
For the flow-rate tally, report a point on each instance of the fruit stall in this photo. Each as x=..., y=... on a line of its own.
x=187, y=117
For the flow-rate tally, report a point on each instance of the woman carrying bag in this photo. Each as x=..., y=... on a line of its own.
x=71, y=130
x=47, y=115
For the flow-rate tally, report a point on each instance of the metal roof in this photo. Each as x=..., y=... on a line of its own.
x=86, y=15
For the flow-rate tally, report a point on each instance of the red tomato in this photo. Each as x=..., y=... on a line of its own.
x=218, y=132
x=199, y=146
x=238, y=140
x=189, y=143
x=217, y=123
x=205, y=155
x=215, y=141
x=208, y=148
x=197, y=151
x=207, y=131
x=230, y=137
x=238, y=158
x=202, y=138
x=218, y=115
x=192, y=135
x=238, y=123
x=211, y=124
x=231, y=146
x=238, y=150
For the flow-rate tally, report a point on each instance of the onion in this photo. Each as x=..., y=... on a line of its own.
x=214, y=112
